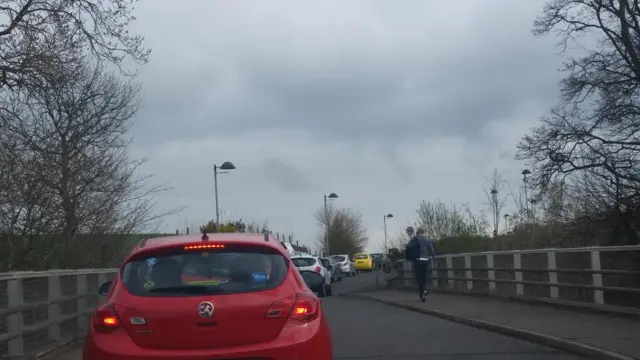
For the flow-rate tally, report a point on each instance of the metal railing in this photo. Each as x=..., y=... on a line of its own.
x=40, y=311
x=604, y=276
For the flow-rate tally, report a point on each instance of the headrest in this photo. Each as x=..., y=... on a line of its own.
x=244, y=266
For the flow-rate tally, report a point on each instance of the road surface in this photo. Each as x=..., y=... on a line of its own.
x=364, y=330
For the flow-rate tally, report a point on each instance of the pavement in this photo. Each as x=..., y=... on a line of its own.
x=372, y=330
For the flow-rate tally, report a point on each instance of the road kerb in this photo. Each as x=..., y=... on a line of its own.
x=548, y=340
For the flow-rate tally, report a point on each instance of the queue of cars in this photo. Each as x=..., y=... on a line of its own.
x=194, y=298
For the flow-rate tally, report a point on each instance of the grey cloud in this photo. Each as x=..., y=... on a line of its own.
x=386, y=103
x=286, y=177
x=355, y=91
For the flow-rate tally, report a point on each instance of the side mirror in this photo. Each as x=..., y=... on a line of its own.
x=314, y=281
x=104, y=288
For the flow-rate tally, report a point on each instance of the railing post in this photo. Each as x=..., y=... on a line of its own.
x=102, y=278
x=434, y=273
x=406, y=273
x=450, y=271
x=596, y=277
x=14, y=321
x=491, y=273
x=468, y=273
x=517, y=265
x=81, y=282
x=54, y=295
x=553, y=275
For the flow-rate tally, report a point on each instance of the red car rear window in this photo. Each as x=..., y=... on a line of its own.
x=192, y=273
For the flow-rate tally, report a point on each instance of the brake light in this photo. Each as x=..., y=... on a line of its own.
x=105, y=319
x=110, y=321
x=306, y=308
x=109, y=317
x=204, y=246
x=317, y=269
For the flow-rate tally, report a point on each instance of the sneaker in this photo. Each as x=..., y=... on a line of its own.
x=423, y=297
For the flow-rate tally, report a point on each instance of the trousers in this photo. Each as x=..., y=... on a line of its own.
x=421, y=270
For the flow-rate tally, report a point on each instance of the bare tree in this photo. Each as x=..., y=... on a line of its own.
x=347, y=234
x=596, y=124
x=440, y=220
x=26, y=206
x=518, y=196
x=400, y=239
x=41, y=36
x=71, y=135
x=595, y=129
x=496, y=198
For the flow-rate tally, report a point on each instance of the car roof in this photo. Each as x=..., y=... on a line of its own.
x=166, y=241
x=362, y=253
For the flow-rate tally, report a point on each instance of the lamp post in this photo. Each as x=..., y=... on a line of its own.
x=524, y=173
x=388, y=216
x=328, y=198
x=533, y=219
x=228, y=166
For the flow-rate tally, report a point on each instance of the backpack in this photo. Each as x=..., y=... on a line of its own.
x=412, y=251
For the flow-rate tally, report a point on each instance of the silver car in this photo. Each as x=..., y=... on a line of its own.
x=345, y=264
x=332, y=266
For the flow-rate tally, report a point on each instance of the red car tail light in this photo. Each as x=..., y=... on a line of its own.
x=280, y=309
x=317, y=269
x=109, y=317
x=306, y=308
x=105, y=319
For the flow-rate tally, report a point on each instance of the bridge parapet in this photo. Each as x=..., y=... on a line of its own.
x=594, y=276
x=41, y=311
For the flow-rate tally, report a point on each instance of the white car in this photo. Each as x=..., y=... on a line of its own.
x=313, y=263
x=346, y=265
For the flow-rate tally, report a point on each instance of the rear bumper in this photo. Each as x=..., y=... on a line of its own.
x=364, y=266
x=345, y=268
x=301, y=342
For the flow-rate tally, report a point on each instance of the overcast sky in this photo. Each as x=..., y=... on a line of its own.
x=386, y=103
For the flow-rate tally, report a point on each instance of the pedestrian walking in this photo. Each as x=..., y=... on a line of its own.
x=421, y=252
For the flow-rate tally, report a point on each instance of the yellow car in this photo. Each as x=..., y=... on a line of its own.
x=363, y=261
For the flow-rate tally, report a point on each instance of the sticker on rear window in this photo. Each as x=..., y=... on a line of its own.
x=151, y=261
x=259, y=277
x=148, y=285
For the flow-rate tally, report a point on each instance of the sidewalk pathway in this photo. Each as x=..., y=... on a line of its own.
x=571, y=330
x=70, y=352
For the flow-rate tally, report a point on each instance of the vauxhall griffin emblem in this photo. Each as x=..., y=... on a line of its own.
x=205, y=309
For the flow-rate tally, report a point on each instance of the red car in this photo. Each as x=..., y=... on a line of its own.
x=219, y=296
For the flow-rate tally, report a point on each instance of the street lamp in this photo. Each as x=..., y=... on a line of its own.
x=524, y=173
x=326, y=217
x=228, y=166
x=388, y=216
x=494, y=207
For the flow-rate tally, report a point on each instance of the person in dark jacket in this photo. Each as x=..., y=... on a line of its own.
x=421, y=251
